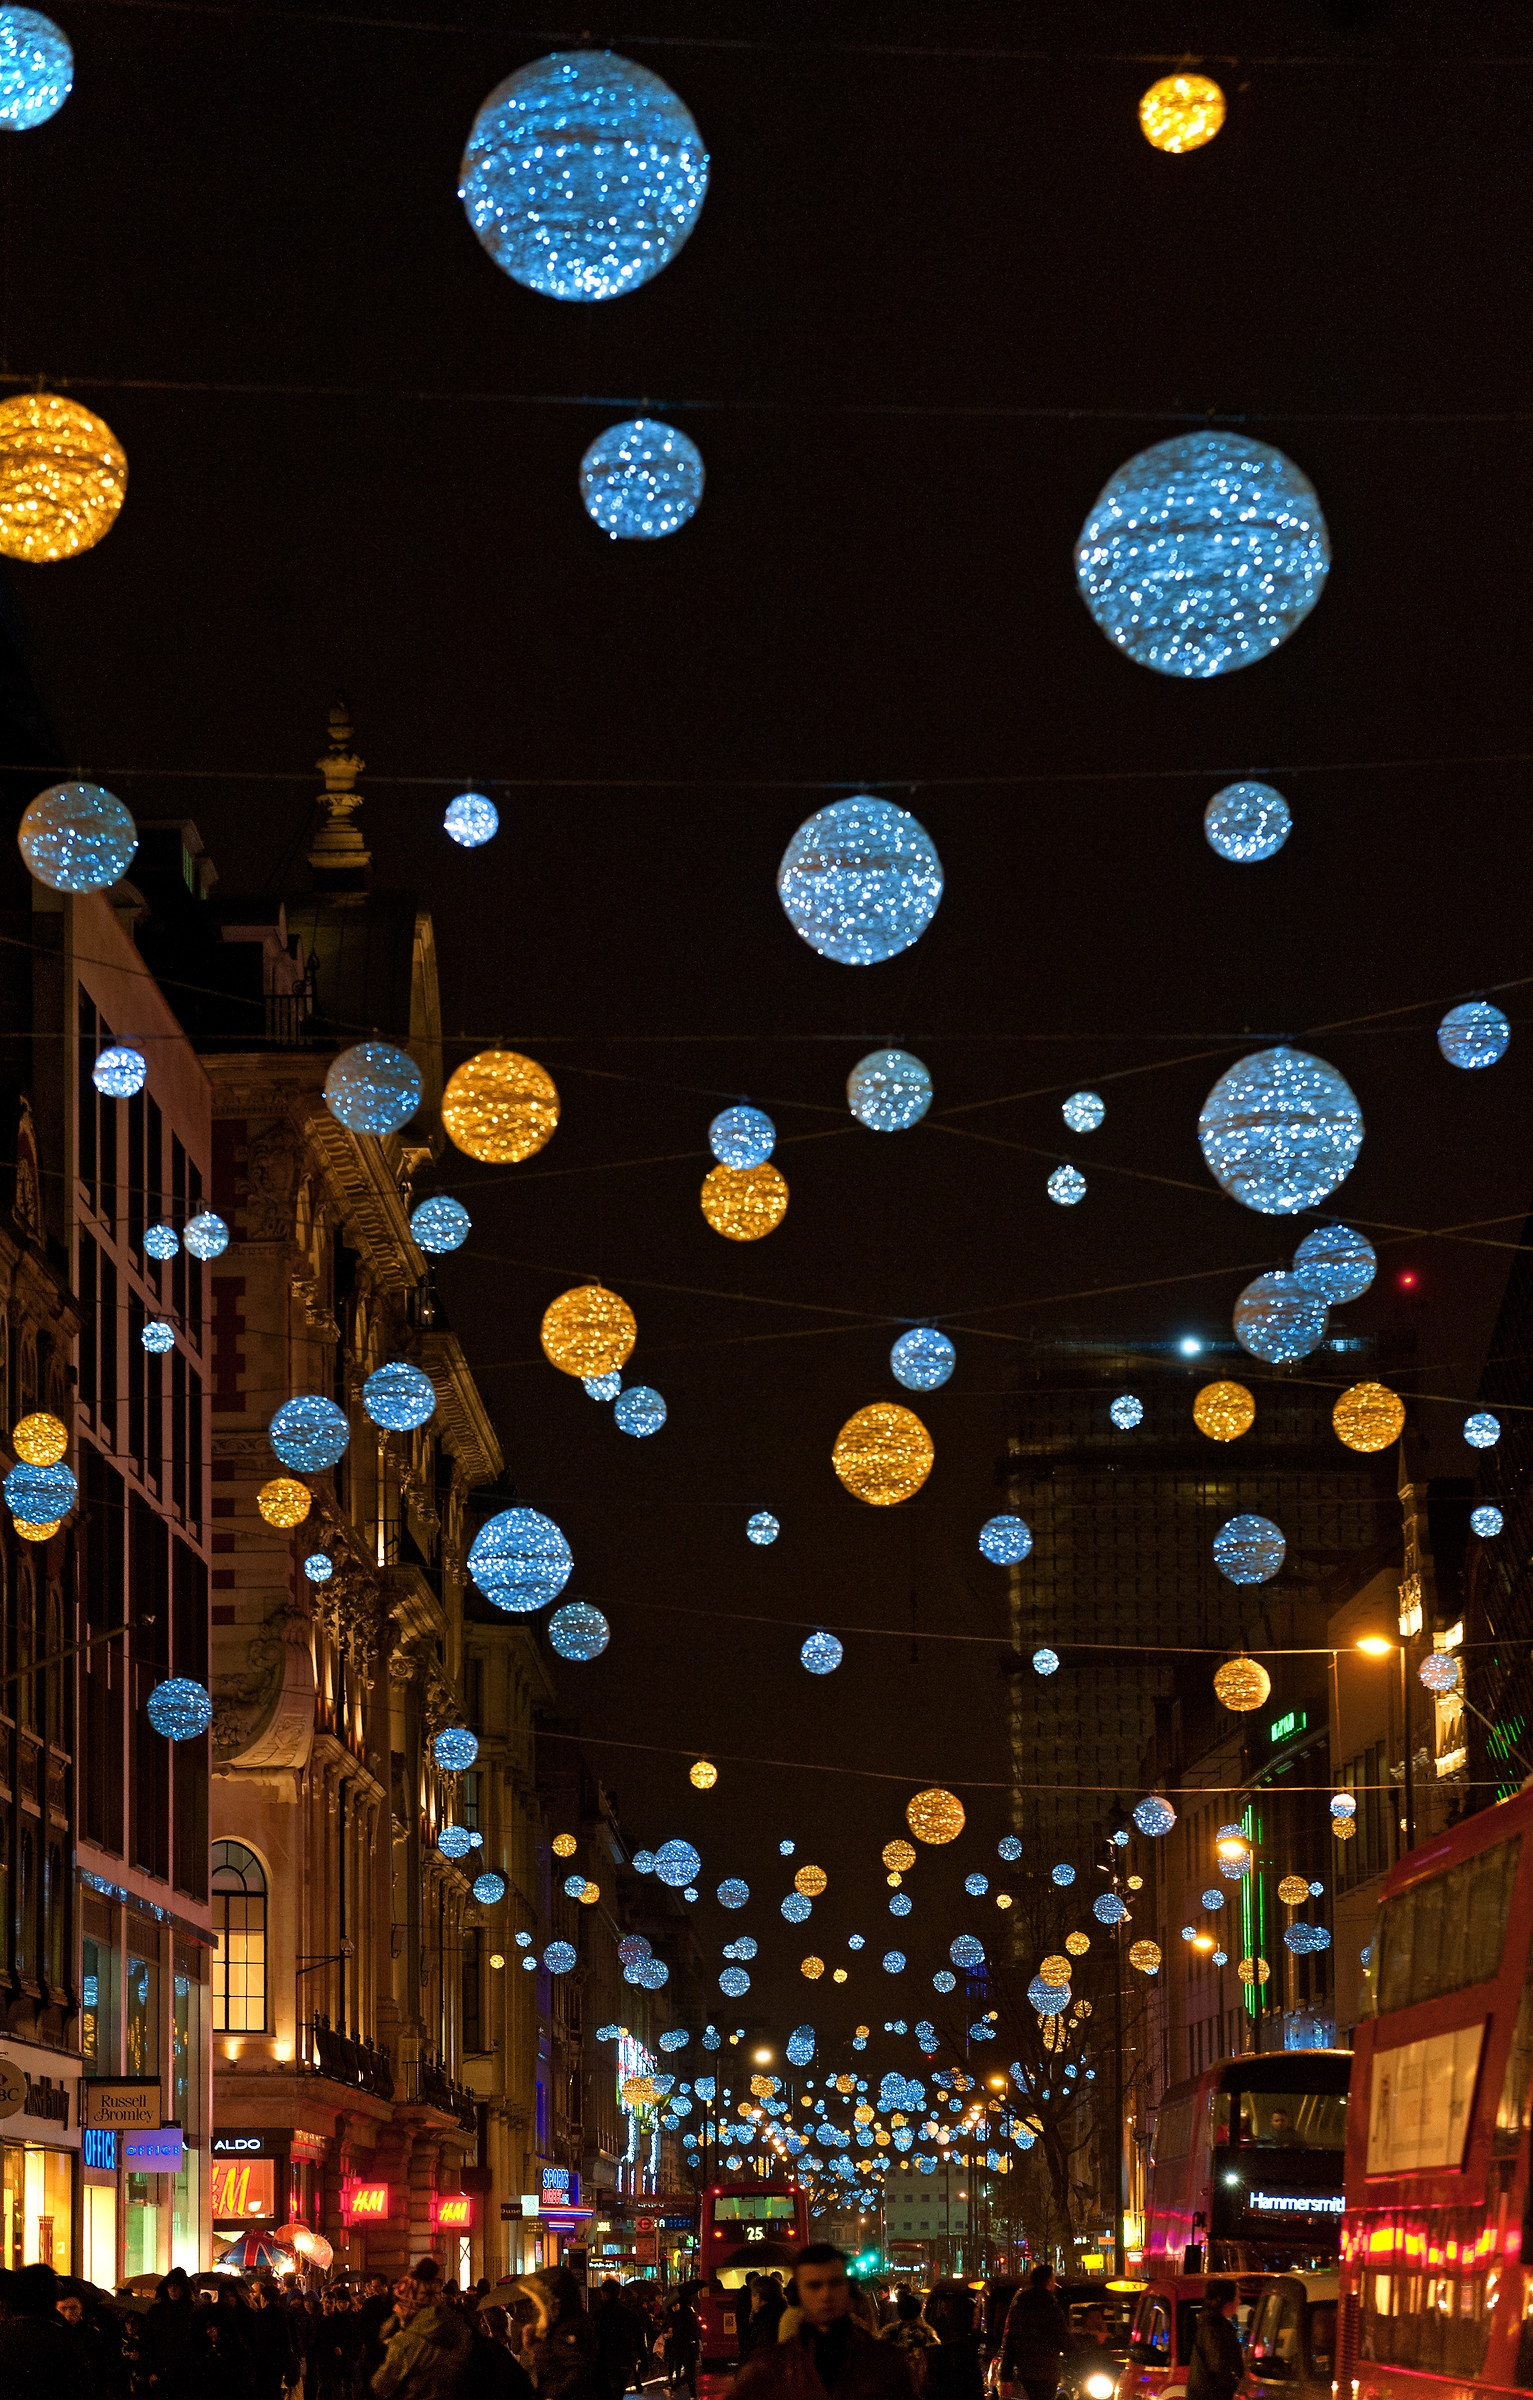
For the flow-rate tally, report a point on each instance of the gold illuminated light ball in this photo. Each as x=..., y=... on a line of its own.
x=1181, y=112
x=284, y=1502
x=1242, y=1685
x=862, y=2114
x=1344, y=1828
x=861, y=2032
x=1003, y=1899
x=62, y=478
x=500, y=1107
x=704, y=1774
x=1369, y=1416
x=1145, y=1956
x=839, y=1975
x=743, y=1203
x=564, y=1845
x=40, y=1439
x=1136, y=1883
x=1224, y=1411
x=813, y=1967
x=497, y=1959
x=935, y=1816
x=883, y=1454
x=1292, y=1890
x=894, y=1882
x=1077, y=1944
x=636, y=2091
x=811, y=1881
x=588, y=1331
x=1055, y=1970
x=36, y=1533
x=590, y=1895
x=1254, y=1970
x=898, y=1856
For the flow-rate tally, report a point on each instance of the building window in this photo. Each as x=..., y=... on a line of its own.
x=239, y=1940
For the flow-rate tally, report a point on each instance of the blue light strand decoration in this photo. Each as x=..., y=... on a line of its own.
x=1249, y=1549
x=440, y=1225
x=520, y=1561
x=455, y=1748
x=1280, y=1130
x=889, y=1091
x=923, y=1359
x=860, y=881
x=578, y=1631
x=742, y=1137
x=1247, y=823
x=1336, y=1262
x=373, y=1088
x=309, y=1433
x=399, y=1397
x=179, y=1709
x=641, y=480
x=1278, y=1318
x=75, y=837
x=39, y=1495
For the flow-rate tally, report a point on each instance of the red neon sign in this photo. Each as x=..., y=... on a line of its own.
x=455, y=2208
x=365, y=2201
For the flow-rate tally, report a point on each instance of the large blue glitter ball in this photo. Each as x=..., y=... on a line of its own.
x=1083, y=1111
x=1049, y=1999
x=860, y=881
x=1486, y=1521
x=1062, y=1875
x=742, y=1137
x=800, y=2046
x=762, y=1528
x=161, y=1241
x=399, y=1397
x=520, y=1561
x=179, y=1709
x=894, y=1962
x=583, y=175
x=39, y=1495
x=454, y=1841
x=77, y=838
x=119, y=1072
x=641, y=480
x=489, y=1887
x=1108, y=1909
x=455, y=1748
x=309, y=1433
x=36, y=68
x=1155, y=1816
x=733, y=1892
x=1335, y=1262
x=1279, y=1318
x=471, y=820
x=677, y=1863
x=1249, y=1549
x=1126, y=1412
x=821, y=1654
x=966, y=1952
x=439, y=1225
x=206, y=1235
x=1009, y=1848
x=1473, y=1035
x=373, y=1088
x=734, y=1983
x=1247, y=822
x=158, y=1337
x=923, y=1359
x=1005, y=1541
x=578, y=1631
x=639, y=1411
x=795, y=1907
x=1203, y=554
x=888, y=1090
x=1482, y=1431
x=1280, y=1130
x=559, y=1957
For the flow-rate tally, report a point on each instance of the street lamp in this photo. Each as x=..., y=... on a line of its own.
x=1379, y=1645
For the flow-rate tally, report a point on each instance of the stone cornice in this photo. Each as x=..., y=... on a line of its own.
x=471, y=1437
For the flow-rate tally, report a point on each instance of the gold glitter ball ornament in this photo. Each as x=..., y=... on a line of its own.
x=811, y=1881
x=1181, y=113
x=1254, y=1970
x=500, y=1107
x=862, y=2114
x=1055, y=1970
x=838, y=1975
x=1242, y=1685
x=637, y=2090
x=588, y=1331
x=1145, y=1956
x=704, y=1774
x=883, y=1454
x=1003, y=1899
x=36, y=1533
x=763, y=2086
x=1292, y=1890
x=894, y=1881
x=861, y=2032
x=1369, y=1416
x=1344, y=1828
x=935, y=1816
x=743, y=1203
x=40, y=1439
x=497, y=1958
x=898, y=1856
x=1077, y=1944
x=284, y=1502
x=590, y=1895
x=1224, y=1411
x=564, y=1845
x=62, y=478
x=813, y=1967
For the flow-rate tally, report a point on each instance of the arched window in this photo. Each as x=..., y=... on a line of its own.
x=239, y=1940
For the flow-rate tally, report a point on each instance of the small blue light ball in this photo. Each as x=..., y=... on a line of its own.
x=1108, y=1909
x=1083, y=1111
x=309, y=1433
x=1247, y=822
x=733, y=1892
x=742, y=1137
x=923, y=1359
x=786, y=1849
x=74, y=837
x=574, y=1886
x=39, y=1495
x=677, y=1863
x=899, y=1905
x=1336, y=1262
x=602, y=1387
x=860, y=881
x=1280, y=1130
x=471, y=820
x=520, y=1561
x=119, y=1072
x=734, y=1983
x=894, y=1962
x=762, y=1528
x=1062, y=1875
x=455, y=1747
x=36, y=72
x=1482, y=1431
x=179, y=1709
x=1155, y=1816
x=578, y=1631
x=1005, y=1541
x=439, y=1225
x=206, y=1235
x=1009, y=1848
x=1213, y=1897
x=1049, y=1999
x=888, y=1091
x=317, y=1567
x=158, y=1337
x=1249, y=1549
x=639, y=1411
x=1046, y=1662
x=821, y=1654
x=1278, y=1318
x=1126, y=1412
x=795, y=1907
x=454, y=1841
x=976, y=1886
x=1067, y=1187
x=161, y=1241
x=489, y=1887
x=559, y=1957
x=944, y=1980
x=399, y=1397
x=1487, y=1521
x=373, y=1088
x=1473, y=1035
x=641, y=480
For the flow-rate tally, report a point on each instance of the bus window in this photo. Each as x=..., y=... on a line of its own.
x=1447, y=1932
x=1221, y=2117
x=1512, y=2108
x=731, y=2207
x=1294, y=2120
x=1173, y=2130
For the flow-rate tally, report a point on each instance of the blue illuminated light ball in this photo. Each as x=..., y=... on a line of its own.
x=944, y=1980
x=523, y=1939
x=795, y=1907
x=455, y=1748
x=1155, y=1816
x=1486, y=1521
x=888, y=1091
x=158, y=1337
x=179, y=1709
x=860, y=881
x=976, y=1886
x=1046, y=1662
x=578, y=1631
x=602, y=1387
x=1482, y=1431
x=119, y=1072
x=1280, y=1130
x=762, y=1528
x=734, y=1983
x=1203, y=553
x=742, y=1137
x=1005, y=1541
x=583, y=175
x=1126, y=1412
x=1009, y=1848
x=559, y=1957
x=453, y=1841
x=786, y=1849
x=1301, y=1937
x=1249, y=1549
x=489, y=1887
x=36, y=72
x=161, y=1241
x=644, y=1862
x=373, y=1088
x=520, y=1561
x=1213, y=1897
x=677, y=1863
x=641, y=480
x=1108, y=1909
x=1247, y=822
x=650, y=1973
x=1083, y=1111
x=1336, y=1262
x=923, y=1359
x=800, y=2046
x=74, y=837
x=1067, y=1187
x=966, y=1952
x=39, y=1495
x=471, y=820
x=894, y=1962
x=639, y=1411
x=439, y=1225
x=206, y=1235
x=1062, y=1875
x=821, y=1654
x=399, y=1397
x=309, y=1433
x=1473, y=1035
x=854, y=1941
x=1278, y=1318
x=733, y=1892
x=1049, y=1999
x=899, y=1904
x=574, y=1886
x=318, y=1568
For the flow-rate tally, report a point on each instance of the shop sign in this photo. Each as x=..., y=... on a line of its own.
x=531, y=2205
x=157, y=2153
x=13, y=2088
x=454, y=2208
x=240, y=2145
x=101, y=2152
x=243, y=2188
x=365, y=2203
x=130, y=2105
x=310, y=2146
x=509, y=2210
x=561, y=2187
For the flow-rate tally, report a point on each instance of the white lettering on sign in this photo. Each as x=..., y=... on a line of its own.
x=755, y=2233
x=1299, y=2204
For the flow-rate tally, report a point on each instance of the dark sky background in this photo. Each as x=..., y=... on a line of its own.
x=940, y=289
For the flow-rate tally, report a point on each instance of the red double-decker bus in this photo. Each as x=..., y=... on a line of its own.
x=1434, y=2290
x=1246, y=2166
x=747, y=2228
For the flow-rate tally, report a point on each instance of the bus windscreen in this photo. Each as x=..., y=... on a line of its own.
x=735, y=2207
x=1287, y=2120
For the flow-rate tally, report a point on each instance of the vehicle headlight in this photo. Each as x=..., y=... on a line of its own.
x=1100, y=2387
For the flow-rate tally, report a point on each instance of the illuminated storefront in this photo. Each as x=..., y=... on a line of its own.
x=39, y=2146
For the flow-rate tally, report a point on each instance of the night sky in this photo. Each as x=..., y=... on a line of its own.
x=940, y=289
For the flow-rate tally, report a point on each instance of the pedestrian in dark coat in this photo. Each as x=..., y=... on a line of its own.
x=619, y=2338
x=1036, y=2339
x=172, y=2350
x=559, y=2347
x=41, y=2358
x=1217, y=2367
x=828, y=2351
